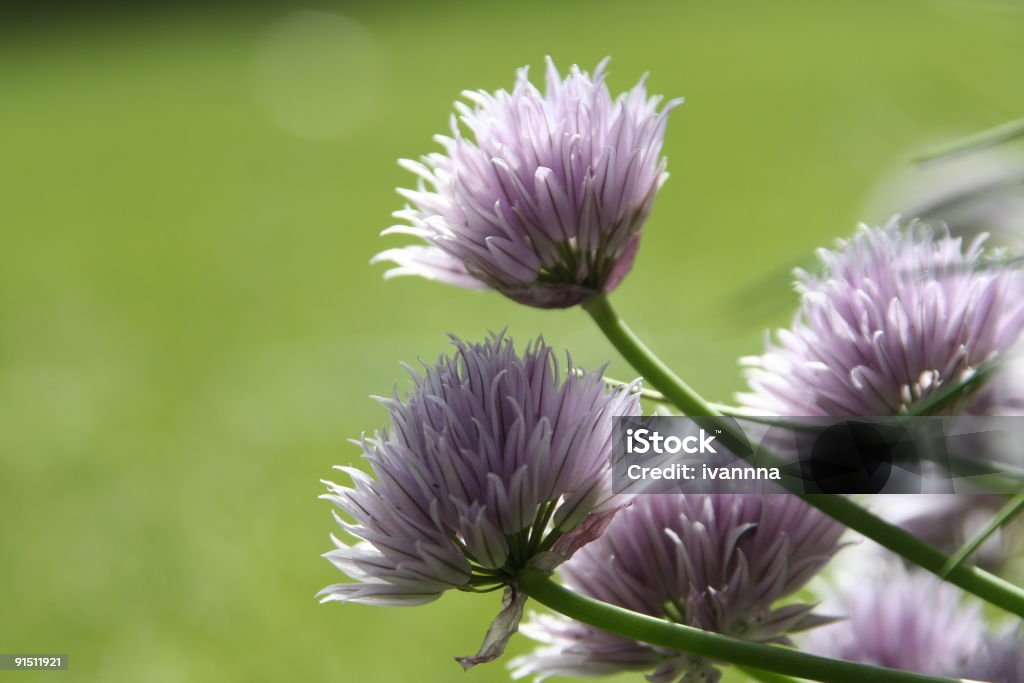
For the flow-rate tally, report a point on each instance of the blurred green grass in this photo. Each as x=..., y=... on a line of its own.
x=189, y=328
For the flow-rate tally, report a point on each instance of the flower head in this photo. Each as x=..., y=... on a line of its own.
x=492, y=463
x=717, y=562
x=895, y=314
x=546, y=203
x=913, y=621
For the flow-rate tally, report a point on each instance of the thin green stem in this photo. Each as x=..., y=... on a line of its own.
x=986, y=586
x=976, y=141
x=848, y=513
x=658, y=397
x=950, y=393
x=1012, y=508
x=714, y=646
x=644, y=392
x=650, y=367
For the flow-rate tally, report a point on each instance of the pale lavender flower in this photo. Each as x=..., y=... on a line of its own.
x=718, y=562
x=1002, y=657
x=491, y=463
x=546, y=202
x=895, y=315
x=910, y=620
x=947, y=521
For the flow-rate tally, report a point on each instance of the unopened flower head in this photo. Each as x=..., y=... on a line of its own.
x=546, y=200
x=895, y=315
x=902, y=619
x=716, y=562
x=492, y=463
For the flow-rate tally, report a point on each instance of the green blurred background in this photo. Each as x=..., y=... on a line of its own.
x=190, y=330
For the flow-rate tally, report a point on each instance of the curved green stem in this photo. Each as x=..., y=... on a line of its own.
x=643, y=360
x=986, y=586
x=714, y=646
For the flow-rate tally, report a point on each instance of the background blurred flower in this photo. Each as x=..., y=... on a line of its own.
x=491, y=462
x=1001, y=659
x=895, y=314
x=718, y=562
x=948, y=520
x=911, y=620
x=547, y=202
x=975, y=193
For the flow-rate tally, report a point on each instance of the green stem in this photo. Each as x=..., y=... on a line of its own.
x=848, y=513
x=977, y=141
x=1003, y=517
x=714, y=646
x=650, y=367
x=986, y=586
x=951, y=392
x=765, y=676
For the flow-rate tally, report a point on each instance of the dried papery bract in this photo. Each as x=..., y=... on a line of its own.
x=545, y=199
x=494, y=462
x=717, y=562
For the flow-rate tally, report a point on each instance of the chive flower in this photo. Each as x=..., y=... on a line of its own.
x=544, y=200
x=895, y=315
x=718, y=562
x=492, y=463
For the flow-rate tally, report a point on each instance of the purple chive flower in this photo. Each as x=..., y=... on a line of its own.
x=492, y=463
x=718, y=562
x=546, y=202
x=1002, y=657
x=913, y=621
x=895, y=314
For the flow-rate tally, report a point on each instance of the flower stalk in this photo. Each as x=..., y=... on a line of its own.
x=986, y=586
x=775, y=660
